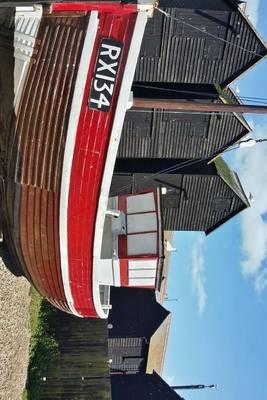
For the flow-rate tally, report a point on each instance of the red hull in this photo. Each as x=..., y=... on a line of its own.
x=87, y=169
x=35, y=151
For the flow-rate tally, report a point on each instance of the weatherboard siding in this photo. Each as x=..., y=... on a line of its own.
x=81, y=370
x=176, y=52
x=159, y=133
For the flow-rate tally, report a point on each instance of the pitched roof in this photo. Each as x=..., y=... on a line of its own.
x=158, y=346
x=231, y=178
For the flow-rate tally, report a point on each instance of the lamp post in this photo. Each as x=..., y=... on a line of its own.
x=194, y=387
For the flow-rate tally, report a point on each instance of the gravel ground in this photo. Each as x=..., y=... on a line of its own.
x=14, y=334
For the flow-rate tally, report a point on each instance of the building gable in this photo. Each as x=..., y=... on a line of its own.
x=137, y=324
x=198, y=46
x=158, y=133
x=198, y=201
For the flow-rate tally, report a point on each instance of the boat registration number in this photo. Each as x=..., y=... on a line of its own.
x=106, y=69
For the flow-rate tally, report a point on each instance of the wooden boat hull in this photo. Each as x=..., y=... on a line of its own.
x=58, y=151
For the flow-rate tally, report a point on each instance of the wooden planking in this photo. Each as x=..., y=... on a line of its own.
x=46, y=103
x=34, y=154
x=83, y=352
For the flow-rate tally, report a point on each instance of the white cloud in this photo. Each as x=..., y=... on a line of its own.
x=252, y=166
x=198, y=273
x=252, y=9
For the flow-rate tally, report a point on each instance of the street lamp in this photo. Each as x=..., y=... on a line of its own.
x=194, y=387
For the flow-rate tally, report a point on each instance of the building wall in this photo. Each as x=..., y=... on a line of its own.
x=156, y=133
x=141, y=387
x=133, y=319
x=194, y=202
x=134, y=313
x=175, y=49
x=81, y=370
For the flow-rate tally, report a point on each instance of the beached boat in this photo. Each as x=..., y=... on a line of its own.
x=65, y=80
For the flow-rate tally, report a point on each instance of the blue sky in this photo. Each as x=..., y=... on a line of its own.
x=219, y=324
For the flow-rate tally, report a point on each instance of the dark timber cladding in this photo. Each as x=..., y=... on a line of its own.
x=175, y=51
x=81, y=370
x=141, y=387
x=199, y=197
x=157, y=133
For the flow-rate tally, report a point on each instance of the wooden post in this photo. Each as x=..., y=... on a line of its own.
x=193, y=106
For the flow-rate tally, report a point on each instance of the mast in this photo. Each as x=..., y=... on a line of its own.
x=193, y=106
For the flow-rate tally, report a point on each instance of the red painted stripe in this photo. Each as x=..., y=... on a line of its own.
x=124, y=273
x=92, y=139
x=122, y=203
x=122, y=246
x=111, y=7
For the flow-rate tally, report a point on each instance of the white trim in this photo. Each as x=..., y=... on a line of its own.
x=148, y=6
x=113, y=148
x=69, y=150
x=116, y=272
x=24, y=43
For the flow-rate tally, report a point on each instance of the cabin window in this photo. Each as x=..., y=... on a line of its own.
x=141, y=203
x=142, y=225
x=141, y=222
x=142, y=243
x=221, y=204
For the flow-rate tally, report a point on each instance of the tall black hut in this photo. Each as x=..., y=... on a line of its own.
x=195, y=197
x=138, y=331
x=203, y=41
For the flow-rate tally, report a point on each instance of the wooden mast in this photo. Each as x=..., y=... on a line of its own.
x=193, y=106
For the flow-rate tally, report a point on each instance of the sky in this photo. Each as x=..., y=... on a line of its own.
x=219, y=283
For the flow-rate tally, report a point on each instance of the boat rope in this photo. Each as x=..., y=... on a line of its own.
x=209, y=34
x=175, y=168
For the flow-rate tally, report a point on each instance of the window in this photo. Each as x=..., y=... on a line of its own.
x=221, y=205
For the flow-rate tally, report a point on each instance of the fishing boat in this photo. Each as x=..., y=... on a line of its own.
x=65, y=81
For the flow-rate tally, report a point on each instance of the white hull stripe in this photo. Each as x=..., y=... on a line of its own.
x=27, y=22
x=69, y=150
x=113, y=149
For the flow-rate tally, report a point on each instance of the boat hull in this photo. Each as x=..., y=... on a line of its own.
x=56, y=151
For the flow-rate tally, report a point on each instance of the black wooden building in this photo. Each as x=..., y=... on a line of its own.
x=141, y=387
x=167, y=134
x=138, y=331
x=81, y=369
x=207, y=41
x=196, y=197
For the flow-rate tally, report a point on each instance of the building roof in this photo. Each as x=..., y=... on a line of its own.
x=168, y=236
x=158, y=346
x=228, y=96
x=230, y=177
